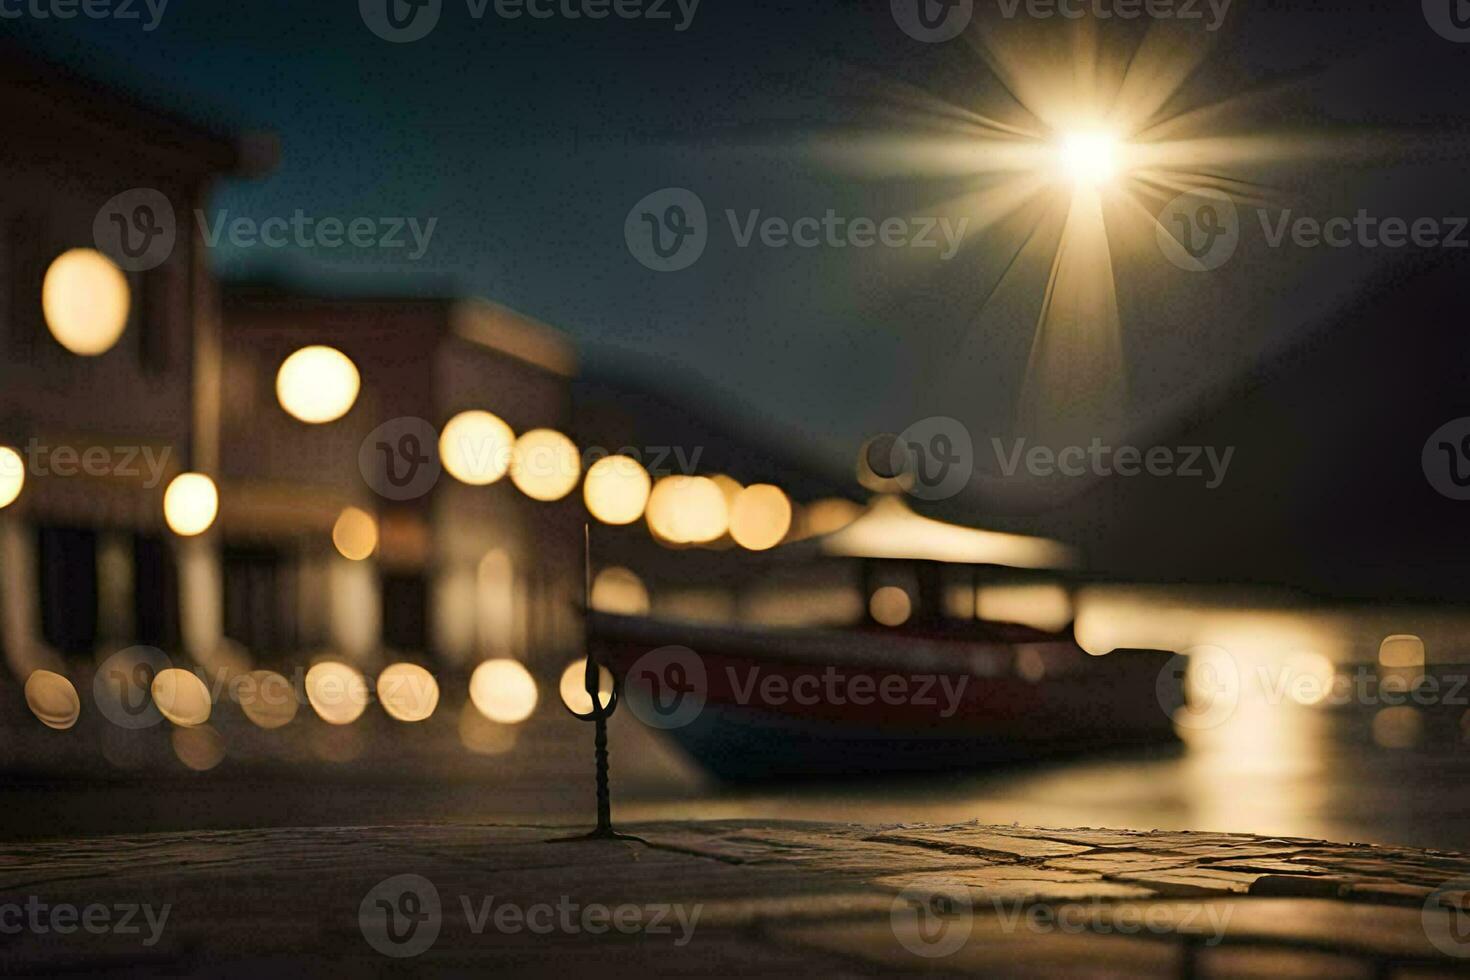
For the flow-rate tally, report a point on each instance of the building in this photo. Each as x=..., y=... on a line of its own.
x=108, y=316
x=442, y=570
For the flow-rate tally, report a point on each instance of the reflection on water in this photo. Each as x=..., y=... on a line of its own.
x=1273, y=746
x=1339, y=725
x=1288, y=771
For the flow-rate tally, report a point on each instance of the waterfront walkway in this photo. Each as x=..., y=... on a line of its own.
x=731, y=898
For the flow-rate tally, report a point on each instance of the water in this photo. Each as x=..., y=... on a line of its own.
x=1287, y=770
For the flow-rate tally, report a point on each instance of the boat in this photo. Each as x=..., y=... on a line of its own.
x=749, y=703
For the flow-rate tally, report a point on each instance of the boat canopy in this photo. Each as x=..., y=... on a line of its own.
x=889, y=529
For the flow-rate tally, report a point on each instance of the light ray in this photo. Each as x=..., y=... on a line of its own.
x=1082, y=130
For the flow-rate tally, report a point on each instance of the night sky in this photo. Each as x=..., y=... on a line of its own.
x=530, y=140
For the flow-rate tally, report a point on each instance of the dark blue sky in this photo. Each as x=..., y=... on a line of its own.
x=529, y=141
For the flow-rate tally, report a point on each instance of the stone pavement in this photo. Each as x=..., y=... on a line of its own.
x=731, y=898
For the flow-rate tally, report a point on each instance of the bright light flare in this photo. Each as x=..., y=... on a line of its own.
x=1089, y=157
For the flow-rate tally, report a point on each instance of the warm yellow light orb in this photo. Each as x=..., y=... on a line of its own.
x=503, y=691
x=355, y=534
x=267, y=698
x=891, y=606
x=616, y=489
x=476, y=448
x=12, y=475
x=338, y=693
x=190, y=504
x=688, y=510
x=760, y=517
x=619, y=591
x=1089, y=157
x=408, y=692
x=317, y=384
x=827, y=516
x=729, y=486
x=181, y=697
x=483, y=736
x=85, y=300
x=573, y=687
x=545, y=465
x=53, y=699
x=199, y=748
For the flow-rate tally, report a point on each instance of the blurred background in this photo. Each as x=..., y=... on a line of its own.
x=323, y=347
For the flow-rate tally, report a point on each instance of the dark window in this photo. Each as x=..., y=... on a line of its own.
x=155, y=592
x=26, y=261
x=67, y=560
x=260, y=600
x=150, y=316
x=405, y=612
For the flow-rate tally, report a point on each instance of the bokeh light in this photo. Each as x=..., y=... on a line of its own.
x=336, y=744
x=181, y=697
x=573, y=686
x=545, y=465
x=891, y=606
x=190, y=504
x=729, y=486
x=503, y=691
x=53, y=699
x=408, y=692
x=619, y=591
x=355, y=534
x=616, y=490
x=12, y=475
x=200, y=748
x=1089, y=157
x=317, y=384
x=1399, y=727
x=485, y=737
x=85, y=300
x=267, y=698
x=687, y=510
x=1401, y=650
x=476, y=448
x=338, y=692
x=828, y=515
x=1309, y=677
x=1041, y=605
x=760, y=517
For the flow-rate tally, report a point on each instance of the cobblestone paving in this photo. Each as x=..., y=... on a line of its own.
x=732, y=898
